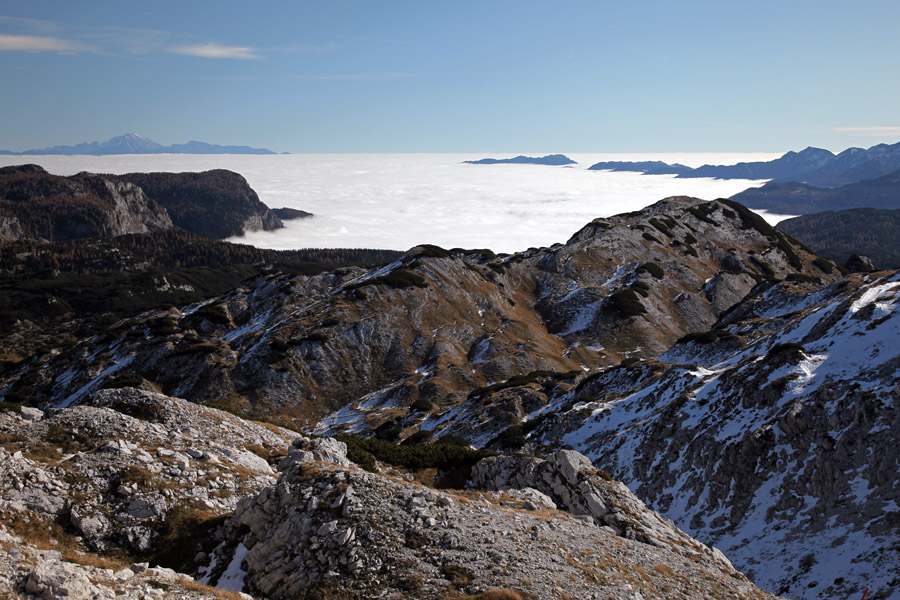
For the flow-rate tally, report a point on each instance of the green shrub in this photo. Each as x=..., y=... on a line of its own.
x=279, y=346
x=415, y=457
x=421, y=405
x=420, y=437
x=790, y=352
x=454, y=440
x=431, y=251
x=703, y=211
x=122, y=380
x=196, y=348
x=706, y=337
x=513, y=437
x=398, y=278
x=803, y=278
x=10, y=407
x=166, y=325
x=662, y=227
x=520, y=380
x=24, y=395
x=216, y=313
x=641, y=288
x=652, y=268
x=626, y=303
x=824, y=265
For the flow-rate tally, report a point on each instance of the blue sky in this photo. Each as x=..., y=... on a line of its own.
x=464, y=76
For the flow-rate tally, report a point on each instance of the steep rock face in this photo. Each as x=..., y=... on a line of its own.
x=782, y=452
x=327, y=528
x=448, y=328
x=216, y=204
x=35, y=204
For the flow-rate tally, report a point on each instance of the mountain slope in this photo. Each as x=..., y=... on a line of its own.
x=838, y=235
x=801, y=199
x=437, y=325
x=782, y=450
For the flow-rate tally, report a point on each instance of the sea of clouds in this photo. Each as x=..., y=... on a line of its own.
x=396, y=201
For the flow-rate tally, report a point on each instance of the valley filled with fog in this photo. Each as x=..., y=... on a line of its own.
x=396, y=201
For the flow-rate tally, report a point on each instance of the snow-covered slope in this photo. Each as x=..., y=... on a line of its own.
x=783, y=453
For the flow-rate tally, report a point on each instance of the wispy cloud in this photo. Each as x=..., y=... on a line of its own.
x=355, y=77
x=213, y=50
x=35, y=43
x=347, y=77
x=873, y=131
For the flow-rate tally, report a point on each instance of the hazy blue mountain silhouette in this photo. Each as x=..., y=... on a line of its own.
x=550, y=159
x=812, y=166
x=131, y=143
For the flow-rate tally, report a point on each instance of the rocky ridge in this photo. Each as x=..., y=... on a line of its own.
x=444, y=327
x=328, y=527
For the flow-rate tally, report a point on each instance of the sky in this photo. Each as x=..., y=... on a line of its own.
x=341, y=76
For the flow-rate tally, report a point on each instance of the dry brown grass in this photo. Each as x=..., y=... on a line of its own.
x=664, y=570
x=45, y=534
x=193, y=586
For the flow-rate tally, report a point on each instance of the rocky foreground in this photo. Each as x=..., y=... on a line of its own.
x=96, y=497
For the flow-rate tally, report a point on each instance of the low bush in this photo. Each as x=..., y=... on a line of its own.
x=398, y=278
x=626, y=303
x=364, y=451
x=706, y=337
x=824, y=265
x=194, y=348
x=421, y=405
x=520, y=380
x=419, y=437
x=652, y=268
x=803, y=278
x=216, y=313
x=122, y=380
x=513, y=437
x=641, y=288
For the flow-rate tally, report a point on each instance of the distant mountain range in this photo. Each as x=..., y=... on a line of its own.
x=550, y=159
x=813, y=166
x=131, y=143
